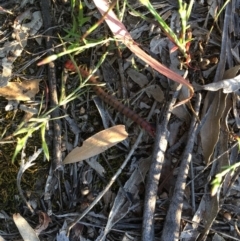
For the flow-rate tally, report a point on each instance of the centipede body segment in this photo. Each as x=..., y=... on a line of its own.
x=111, y=100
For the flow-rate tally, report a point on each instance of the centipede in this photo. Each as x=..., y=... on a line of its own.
x=110, y=99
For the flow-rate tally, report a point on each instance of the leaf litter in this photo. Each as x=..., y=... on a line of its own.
x=196, y=145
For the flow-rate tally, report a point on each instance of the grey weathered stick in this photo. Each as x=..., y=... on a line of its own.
x=155, y=172
x=173, y=218
x=56, y=151
x=56, y=160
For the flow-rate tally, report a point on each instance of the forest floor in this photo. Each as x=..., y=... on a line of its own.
x=125, y=131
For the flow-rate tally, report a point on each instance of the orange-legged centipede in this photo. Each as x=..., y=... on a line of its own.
x=111, y=100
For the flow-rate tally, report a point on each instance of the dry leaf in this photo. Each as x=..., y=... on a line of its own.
x=182, y=113
x=26, y=231
x=137, y=77
x=158, y=43
x=44, y=221
x=21, y=31
x=174, y=128
x=92, y=162
x=23, y=91
x=190, y=231
x=156, y=92
x=62, y=235
x=210, y=130
x=232, y=72
x=137, y=32
x=213, y=7
x=229, y=84
x=34, y=25
x=97, y=144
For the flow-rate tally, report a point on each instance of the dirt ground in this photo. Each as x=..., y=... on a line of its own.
x=106, y=136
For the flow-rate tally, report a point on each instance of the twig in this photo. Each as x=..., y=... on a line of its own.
x=113, y=179
x=155, y=172
x=56, y=160
x=172, y=222
x=229, y=237
x=56, y=164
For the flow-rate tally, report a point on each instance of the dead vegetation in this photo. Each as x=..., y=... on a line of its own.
x=118, y=149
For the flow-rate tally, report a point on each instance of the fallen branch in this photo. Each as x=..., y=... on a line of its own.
x=155, y=172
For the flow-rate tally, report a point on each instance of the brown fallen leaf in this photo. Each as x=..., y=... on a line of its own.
x=137, y=77
x=26, y=90
x=210, y=130
x=156, y=92
x=97, y=144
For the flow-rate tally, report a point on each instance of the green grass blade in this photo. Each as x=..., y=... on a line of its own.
x=20, y=144
x=44, y=144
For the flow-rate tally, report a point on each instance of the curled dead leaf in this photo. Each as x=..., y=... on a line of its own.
x=44, y=221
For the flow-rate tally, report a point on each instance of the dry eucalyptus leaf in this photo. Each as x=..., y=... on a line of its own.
x=209, y=71
x=213, y=7
x=97, y=144
x=6, y=71
x=137, y=32
x=191, y=231
x=95, y=165
x=230, y=83
x=174, y=60
x=182, y=113
x=232, y=72
x=156, y=92
x=137, y=77
x=24, y=91
x=26, y=231
x=157, y=44
x=62, y=233
x=210, y=130
x=143, y=105
x=34, y=25
x=174, y=128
